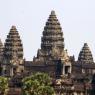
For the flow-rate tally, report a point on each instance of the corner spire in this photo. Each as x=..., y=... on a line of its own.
x=13, y=44
x=85, y=54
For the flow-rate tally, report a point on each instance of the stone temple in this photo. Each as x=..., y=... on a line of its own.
x=70, y=77
x=12, y=54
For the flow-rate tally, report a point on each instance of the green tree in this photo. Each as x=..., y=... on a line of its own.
x=3, y=85
x=37, y=84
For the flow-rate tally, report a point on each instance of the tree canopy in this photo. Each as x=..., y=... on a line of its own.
x=3, y=85
x=37, y=84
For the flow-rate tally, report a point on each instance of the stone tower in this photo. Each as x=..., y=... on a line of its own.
x=52, y=34
x=52, y=45
x=13, y=44
x=13, y=53
x=52, y=41
x=85, y=60
x=85, y=55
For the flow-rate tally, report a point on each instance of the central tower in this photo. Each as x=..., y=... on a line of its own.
x=52, y=47
x=52, y=41
x=52, y=34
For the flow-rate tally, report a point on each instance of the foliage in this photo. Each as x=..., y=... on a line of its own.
x=3, y=85
x=37, y=84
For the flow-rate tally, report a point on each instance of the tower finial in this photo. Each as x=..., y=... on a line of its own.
x=52, y=12
x=13, y=27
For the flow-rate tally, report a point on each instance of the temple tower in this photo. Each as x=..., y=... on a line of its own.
x=85, y=60
x=52, y=34
x=52, y=46
x=12, y=44
x=13, y=53
x=85, y=55
x=52, y=41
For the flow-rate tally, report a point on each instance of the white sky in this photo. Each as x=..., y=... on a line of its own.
x=77, y=18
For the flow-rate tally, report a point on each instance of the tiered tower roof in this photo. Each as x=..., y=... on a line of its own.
x=13, y=45
x=52, y=34
x=52, y=41
x=85, y=55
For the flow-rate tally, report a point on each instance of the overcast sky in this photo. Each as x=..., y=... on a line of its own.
x=77, y=18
